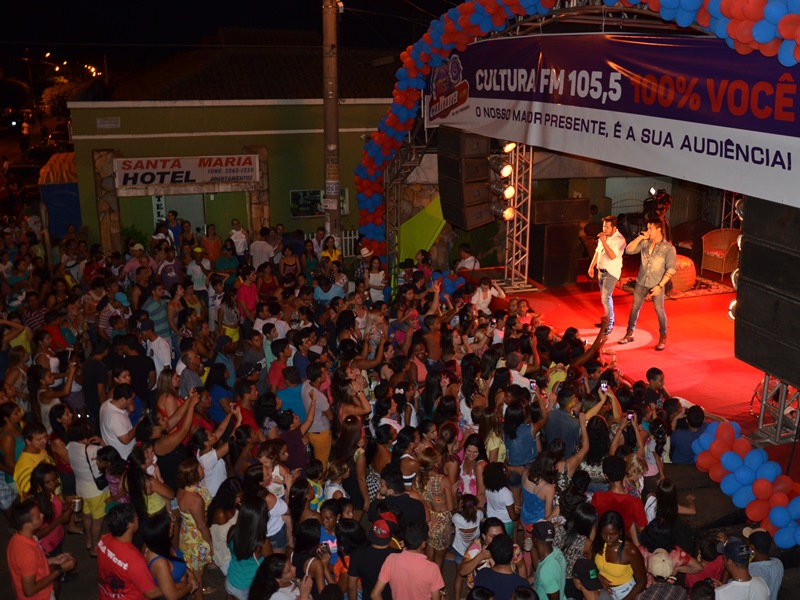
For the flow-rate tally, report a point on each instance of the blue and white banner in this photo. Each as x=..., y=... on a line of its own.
x=686, y=107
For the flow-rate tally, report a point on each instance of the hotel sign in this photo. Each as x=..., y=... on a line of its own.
x=182, y=171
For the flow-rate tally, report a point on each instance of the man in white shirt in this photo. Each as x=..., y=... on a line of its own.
x=741, y=585
x=608, y=260
x=199, y=270
x=157, y=348
x=261, y=250
x=468, y=262
x=115, y=422
x=275, y=318
x=319, y=241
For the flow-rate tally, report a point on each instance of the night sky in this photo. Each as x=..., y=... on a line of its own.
x=135, y=32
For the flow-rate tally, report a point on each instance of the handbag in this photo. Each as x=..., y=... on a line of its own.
x=99, y=480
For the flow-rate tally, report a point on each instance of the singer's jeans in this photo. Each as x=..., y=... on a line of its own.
x=607, y=283
x=639, y=294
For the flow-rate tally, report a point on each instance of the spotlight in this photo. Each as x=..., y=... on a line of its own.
x=504, y=212
x=739, y=208
x=508, y=146
x=735, y=279
x=503, y=190
x=501, y=167
x=732, y=310
x=653, y=191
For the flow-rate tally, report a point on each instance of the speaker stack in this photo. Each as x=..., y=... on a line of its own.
x=464, y=178
x=767, y=329
x=555, y=240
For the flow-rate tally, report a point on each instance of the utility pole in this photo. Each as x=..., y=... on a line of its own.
x=330, y=116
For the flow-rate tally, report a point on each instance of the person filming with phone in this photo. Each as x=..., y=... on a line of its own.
x=657, y=268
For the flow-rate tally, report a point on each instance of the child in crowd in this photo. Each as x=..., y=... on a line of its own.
x=110, y=463
x=314, y=472
x=337, y=472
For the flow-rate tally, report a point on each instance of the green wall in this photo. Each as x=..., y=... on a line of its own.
x=158, y=129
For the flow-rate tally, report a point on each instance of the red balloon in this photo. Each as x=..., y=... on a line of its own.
x=718, y=448
x=705, y=461
x=754, y=9
x=757, y=510
x=762, y=489
x=745, y=32
x=737, y=10
x=742, y=446
x=779, y=499
x=717, y=473
x=771, y=48
x=767, y=524
x=654, y=5
x=782, y=483
x=703, y=18
x=726, y=433
x=725, y=8
x=788, y=25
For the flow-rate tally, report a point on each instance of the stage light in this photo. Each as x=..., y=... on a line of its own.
x=732, y=310
x=504, y=212
x=505, y=191
x=508, y=146
x=653, y=191
x=735, y=279
x=501, y=167
x=739, y=208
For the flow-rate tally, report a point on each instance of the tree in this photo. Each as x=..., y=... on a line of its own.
x=57, y=96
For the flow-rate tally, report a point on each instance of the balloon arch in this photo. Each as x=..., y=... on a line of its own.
x=771, y=27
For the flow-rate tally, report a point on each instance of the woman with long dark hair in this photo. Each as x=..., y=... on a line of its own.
x=44, y=482
x=470, y=480
x=350, y=447
x=663, y=504
x=223, y=512
x=301, y=495
x=618, y=560
x=308, y=559
x=599, y=447
x=166, y=564
x=500, y=381
x=277, y=574
x=538, y=493
x=379, y=454
x=248, y=543
x=575, y=539
x=521, y=438
x=148, y=492
x=349, y=537
x=403, y=455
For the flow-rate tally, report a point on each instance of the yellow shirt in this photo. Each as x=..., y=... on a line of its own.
x=495, y=442
x=333, y=255
x=26, y=463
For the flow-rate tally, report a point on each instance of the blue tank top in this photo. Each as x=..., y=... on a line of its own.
x=178, y=566
x=330, y=541
x=532, y=507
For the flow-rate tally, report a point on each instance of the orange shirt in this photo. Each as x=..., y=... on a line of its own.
x=25, y=558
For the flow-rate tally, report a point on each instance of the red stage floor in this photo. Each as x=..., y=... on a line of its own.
x=698, y=363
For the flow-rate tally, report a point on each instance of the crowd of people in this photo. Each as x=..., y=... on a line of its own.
x=239, y=403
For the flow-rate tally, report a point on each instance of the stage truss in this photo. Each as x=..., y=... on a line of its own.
x=518, y=229
x=778, y=413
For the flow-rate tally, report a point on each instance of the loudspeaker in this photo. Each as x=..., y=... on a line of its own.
x=464, y=178
x=455, y=142
x=467, y=217
x=568, y=210
x=767, y=328
x=468, y=170
x=554, y=253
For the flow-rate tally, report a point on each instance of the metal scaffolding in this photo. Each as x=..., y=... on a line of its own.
x=730, y=219
x=518, y=229
x=777, y=415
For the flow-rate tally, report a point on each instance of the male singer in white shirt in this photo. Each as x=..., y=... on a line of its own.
x=608, y=260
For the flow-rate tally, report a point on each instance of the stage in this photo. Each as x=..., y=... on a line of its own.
x=698, y=362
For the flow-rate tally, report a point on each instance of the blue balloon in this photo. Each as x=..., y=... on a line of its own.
x=685, y=18
x=731, y=461
x=745, y=475
x=764, y=31
x=713, y=8
x=769, y=471
x=736, y=428
x=796, y=532
x=774, y=11
x=755, y=458
x=785, y=537
x=794, y=507
x=668, y=14
x=705, y=441
x=460, y=281
x=729, y=485
x=743, y=496
x=786, y=53
x=779, y=516
x=436, y=275
x=793, y=6
x=696, y=448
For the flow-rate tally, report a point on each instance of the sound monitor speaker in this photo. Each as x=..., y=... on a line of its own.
x=554, y=253
x=767, y=327
x=568, y=210
x=455, y=142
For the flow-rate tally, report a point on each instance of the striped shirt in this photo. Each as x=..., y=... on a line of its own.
x=157, y=311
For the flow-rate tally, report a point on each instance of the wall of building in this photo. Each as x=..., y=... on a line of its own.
x=290, y=130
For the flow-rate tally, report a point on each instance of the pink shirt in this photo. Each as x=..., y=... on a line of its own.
x=247, y=297
x=427, y=576
x=51, y=541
